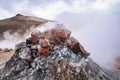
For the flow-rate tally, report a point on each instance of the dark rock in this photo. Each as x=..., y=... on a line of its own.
x=31, y=40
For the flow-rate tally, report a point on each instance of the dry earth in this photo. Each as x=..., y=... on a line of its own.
x=4, y=56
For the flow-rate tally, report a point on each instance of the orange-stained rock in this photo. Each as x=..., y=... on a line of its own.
x=31, y=40
x=59, y=32
x=43, y=52
x=44, y=43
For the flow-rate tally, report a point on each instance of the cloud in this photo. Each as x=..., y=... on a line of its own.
x=20, y=7
x=50, y=10
x=5, y=13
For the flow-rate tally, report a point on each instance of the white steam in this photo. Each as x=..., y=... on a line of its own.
x=46, y=26
x=10, y=40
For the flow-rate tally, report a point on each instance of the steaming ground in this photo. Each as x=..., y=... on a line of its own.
x=10, y=39
x=17, y=28
x=15, y=34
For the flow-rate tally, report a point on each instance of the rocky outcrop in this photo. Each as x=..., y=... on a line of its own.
x=53, y=55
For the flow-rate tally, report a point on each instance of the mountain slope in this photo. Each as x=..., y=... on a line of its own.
x=20, y=24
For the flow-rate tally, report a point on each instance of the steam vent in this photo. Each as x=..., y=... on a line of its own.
x=53, y=55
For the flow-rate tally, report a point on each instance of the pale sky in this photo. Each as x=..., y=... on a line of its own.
x=95, y=23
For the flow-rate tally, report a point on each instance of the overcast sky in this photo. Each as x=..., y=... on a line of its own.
x=95, y=23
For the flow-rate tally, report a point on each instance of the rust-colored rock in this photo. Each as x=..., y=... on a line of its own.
x=44, y=43
x=59, y=32
x=55, y=37
x=43, y=52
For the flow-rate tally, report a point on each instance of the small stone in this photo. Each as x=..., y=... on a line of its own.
x=58, y=70
x=75, y=45
x=67, y=42
x=77, y=69
x=20, y=45
x=44, y=43
x=34, y=47
x=25, y=54
x=43, y=52
x=31, y=40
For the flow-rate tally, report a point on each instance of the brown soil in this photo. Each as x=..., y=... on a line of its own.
x=4, y=56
